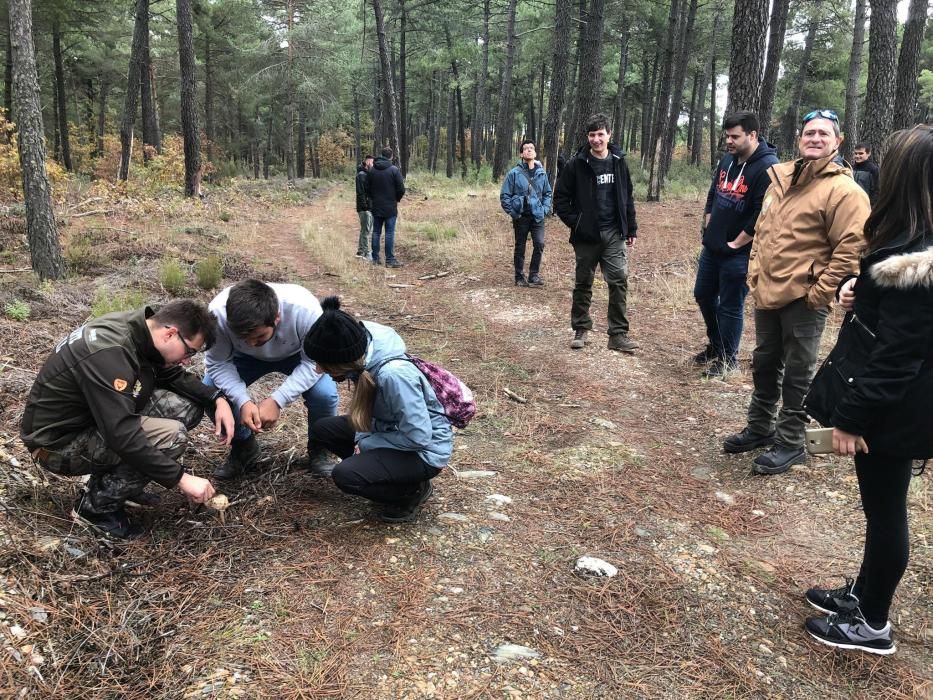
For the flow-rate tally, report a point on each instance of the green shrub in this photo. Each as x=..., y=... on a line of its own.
x=225, y=216
x=82, y=256
x=16, y=310
x=209, y=272
x=173, y=277
x=436, y=232
x=107, y=301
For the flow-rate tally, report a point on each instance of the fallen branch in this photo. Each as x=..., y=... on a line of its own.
x=515, y=397
x=435, y=276
x=93, y=211
x=423, y=328
x=395, y=285
x=18, y=269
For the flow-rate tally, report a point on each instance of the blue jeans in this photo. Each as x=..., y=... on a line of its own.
x=320, y=399
x=389, y=222
x=720, y=292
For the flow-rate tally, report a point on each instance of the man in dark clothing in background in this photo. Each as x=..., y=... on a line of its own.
x=113, y=401
x=732, y=206
x=385, y=187
x=865, y=171
x=593, y=197
x=364, y=208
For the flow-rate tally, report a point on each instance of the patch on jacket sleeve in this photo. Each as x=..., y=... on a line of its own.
x=119, y=384
x=905, y=271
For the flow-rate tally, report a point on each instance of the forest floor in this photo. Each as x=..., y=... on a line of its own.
x=302, y=593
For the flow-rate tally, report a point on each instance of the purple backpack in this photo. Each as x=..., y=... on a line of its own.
x=454, y=396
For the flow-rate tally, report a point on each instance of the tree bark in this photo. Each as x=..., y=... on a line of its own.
x=8, y=78
x=591, y=70
x=789, y=135
x=208, y=99
x=850, y=122
x=387, y=82
x=102, y=94
x=749, y=25
x=189, y=105
x=290, y=95
x=662, y=107
x=540, y=128
x=152, y=135
x=479, y=118
x=680, y=76
x=713, y=126
x=619, y=104
x=433, y=117
x=44, y=248
x=460, y=128
x=555, y=106
x=776, y=33
x=61, y=101
x=300, y=153
x=132, y=87
x=451, y=138
x=882, y=79
x=696, y=150
x=908, y=65
x=402, y=89
x=504, y=122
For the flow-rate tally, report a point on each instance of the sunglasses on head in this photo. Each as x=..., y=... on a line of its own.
x=821, y=114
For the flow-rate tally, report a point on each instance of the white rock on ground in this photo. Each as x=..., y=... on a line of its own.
x=591, y=566
x=514, y=652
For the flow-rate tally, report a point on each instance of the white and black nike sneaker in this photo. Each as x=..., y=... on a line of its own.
x=849, y=630
x=833, y=600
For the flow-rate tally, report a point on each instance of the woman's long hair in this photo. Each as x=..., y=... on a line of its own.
x=905, y=199
x=364, y=392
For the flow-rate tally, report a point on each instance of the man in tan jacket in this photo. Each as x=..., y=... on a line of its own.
x=809, y=237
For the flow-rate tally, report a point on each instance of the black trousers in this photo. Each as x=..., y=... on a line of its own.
x=382, y=475
x=883, y=482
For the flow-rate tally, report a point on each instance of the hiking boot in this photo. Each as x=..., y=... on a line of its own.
x=520, y=280
x=116, y=524
x=144, y=500
x=375, y=260
x=746, y=441
x=833, y=600
x=622, y=343
x=243, y=457
x=406, y=511
x=705, y=357
x=535, y=280
x=779, y=459
x=321, y=463
x=849, y=630
x=720, y=368
x=579, y=340
x=394, y=263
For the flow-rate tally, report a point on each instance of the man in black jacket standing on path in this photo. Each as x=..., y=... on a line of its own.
x=593, y=197
x=364, y=209
x=385, y=187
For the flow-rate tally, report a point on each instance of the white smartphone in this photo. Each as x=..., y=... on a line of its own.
x=819, y=441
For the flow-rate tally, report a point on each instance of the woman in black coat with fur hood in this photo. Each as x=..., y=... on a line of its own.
x=875, y=389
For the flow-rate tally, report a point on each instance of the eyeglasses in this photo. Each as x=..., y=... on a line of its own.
x=820, y=114
x=189, y=351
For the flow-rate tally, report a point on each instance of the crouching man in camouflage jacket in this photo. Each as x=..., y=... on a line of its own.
x=114, y=401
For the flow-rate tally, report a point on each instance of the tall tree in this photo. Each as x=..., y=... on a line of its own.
x=61, y=102
x=618, y=107
x=850, y=121
x=403, y=88
x=882, y=81
x=479, y=116
x=456, y=76
x=662, y=106
x=504, y=121
x=388, y=83
x=788, y=138
x=189, y=106
x=152, y=136
x=141, y=28
x=685, y=46
x=908, y=65
x=44, y=247
x=776, y=33
x=749, y=25
x=590, y=70
x=559, y=69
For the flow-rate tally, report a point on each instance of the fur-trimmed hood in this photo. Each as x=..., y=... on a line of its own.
x=905, y=271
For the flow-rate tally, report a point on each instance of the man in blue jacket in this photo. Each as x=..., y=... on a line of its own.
x=732, y=206
x=385, y=187
x=526, y=197
x=593, y=197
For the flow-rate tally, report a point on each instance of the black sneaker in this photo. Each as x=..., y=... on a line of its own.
x=116, y=524
x=243, y=457
x=535, y=280
x=849, y=630
x=579, y=340
x=394, y=263
x=833, y=600
x=405, y=512
x=720, y=368
x=746, y=441
x=779, y=459
x=705, y=357
x=520, y=280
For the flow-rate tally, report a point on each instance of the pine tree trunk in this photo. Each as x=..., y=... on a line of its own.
x=776, y=33
x=850, y=121
x=713, y=130
x=402, y=89
x=692, y=109
x=540, y=128
x=208, y=98
x=302, y=145
x=504, y=121
x=44, y=248
x=387, y=82
x=663, y=105
x=749, y=26
x=908, y=66
x=357, y=135
x=8, y=78
x=685, y=44
x=189, y=105
x=619, y=105
x=555, y=106
x=697, y=145
x=433, y=117
x=451, y=138
x=150, y=114
x=102, y=95
x=791, y=117
x=479, y=125
x=132, y=87
x=591, y=68
x=460, y=127
x=882, y=78
x=61, y=102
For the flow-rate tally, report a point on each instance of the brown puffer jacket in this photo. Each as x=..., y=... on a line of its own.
x=809, y=233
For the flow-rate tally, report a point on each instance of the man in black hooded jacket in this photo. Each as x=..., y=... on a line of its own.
x=385, y=187
x=593, y=197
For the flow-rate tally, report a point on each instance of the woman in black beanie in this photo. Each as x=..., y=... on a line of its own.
x=396, y=437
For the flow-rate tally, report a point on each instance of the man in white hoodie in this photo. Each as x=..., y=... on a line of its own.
x=260, y=331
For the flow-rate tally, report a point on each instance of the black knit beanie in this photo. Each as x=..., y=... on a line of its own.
x=336, y=338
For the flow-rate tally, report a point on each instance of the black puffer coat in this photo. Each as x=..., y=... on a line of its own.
x=878, y=380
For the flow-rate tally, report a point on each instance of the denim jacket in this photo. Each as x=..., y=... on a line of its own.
x=520, y=184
